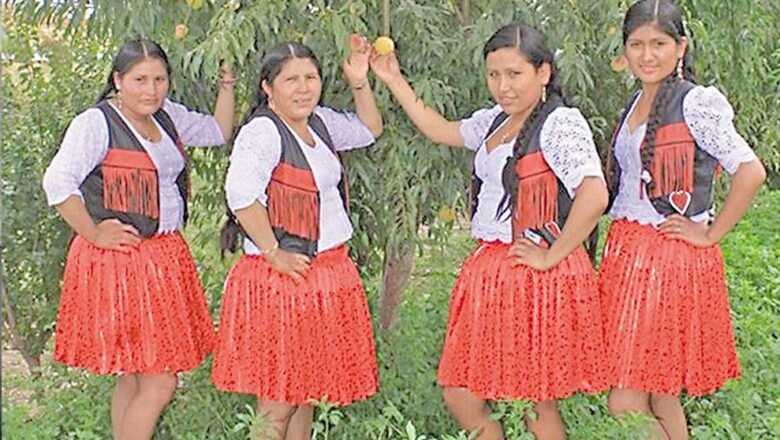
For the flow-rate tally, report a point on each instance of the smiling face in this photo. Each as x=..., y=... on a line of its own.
x=295, y=90
x=515, y=84
x=652, y=54
x=143, y=87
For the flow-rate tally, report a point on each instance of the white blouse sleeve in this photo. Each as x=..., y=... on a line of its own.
x=196, y=129
x=567, y=146
x=475, y=127
x=257, y=150
x=83, y=148
x=346, y=129
x=710, y=118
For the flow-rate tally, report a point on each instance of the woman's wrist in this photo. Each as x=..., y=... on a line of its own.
x=360, y=86
x=270, y=251
x=228, y=83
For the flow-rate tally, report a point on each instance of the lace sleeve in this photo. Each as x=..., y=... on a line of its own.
x=84, y=146
x=346, y=129
x=256, y=152
x=196, y=129
x=567, y=146
x=475, y=127
x=710, y=118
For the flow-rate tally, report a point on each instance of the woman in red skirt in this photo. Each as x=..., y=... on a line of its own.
x=524, y=318
x=131, y=300
x=666, y=308
x=295, y=325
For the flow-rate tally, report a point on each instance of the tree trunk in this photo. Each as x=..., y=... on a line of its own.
x=17, y=341
x=397, y=270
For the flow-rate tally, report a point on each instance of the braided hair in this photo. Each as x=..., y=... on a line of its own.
x=273, y=62
x=667, y=18
x=533, y=47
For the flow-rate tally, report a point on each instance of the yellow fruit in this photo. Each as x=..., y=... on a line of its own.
x=619, y=64
x=447, y=214
x=195, y=4
x=181, y=31
x=384, y=45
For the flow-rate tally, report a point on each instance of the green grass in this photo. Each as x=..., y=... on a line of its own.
x=68, y=404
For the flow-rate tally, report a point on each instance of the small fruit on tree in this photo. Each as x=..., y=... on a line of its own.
x=619, y=64
x=195, y=4
x=181, y=31
x=446, y=214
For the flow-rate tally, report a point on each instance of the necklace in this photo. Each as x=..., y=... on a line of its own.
x=148, y=134
x=508, y=134
x=504, y=137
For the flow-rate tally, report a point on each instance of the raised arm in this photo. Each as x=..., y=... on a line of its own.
x=224, y=111
x=355, y=69
x=431, y=123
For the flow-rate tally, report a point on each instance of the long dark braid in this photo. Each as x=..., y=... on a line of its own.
x=508, y=177
x=533, y=47
x=668, y=19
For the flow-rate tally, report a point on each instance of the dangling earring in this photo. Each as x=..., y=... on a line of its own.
x=680, y=75
x=119, y=99
x=544, y=94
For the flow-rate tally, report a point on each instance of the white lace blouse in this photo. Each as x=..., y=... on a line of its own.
x=710, y=118
x=566, y=144
x=257, y=151
x=85, y=145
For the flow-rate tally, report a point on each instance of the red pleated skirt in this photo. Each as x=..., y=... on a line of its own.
x=518, y=333
x=138, y=312
x=293, y=343
x=666, y=309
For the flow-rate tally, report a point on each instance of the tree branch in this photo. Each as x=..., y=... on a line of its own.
x=386, y=18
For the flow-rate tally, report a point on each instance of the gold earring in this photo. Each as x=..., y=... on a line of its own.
x=119, y=99
x=680, y=74
x=544, y=94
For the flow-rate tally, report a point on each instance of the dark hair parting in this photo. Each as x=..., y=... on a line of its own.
x=668, y=19
x=130, y=54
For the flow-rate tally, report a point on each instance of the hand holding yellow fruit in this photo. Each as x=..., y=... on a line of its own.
x=384, y=45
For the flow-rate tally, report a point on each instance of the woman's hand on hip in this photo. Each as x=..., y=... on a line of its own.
x=114, y=235
x=682, y=228
x=289, y=263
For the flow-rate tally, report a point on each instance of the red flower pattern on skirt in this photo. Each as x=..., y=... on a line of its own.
x=666, y=308
x=519, y=333
x=293, y=343
x=138, y=312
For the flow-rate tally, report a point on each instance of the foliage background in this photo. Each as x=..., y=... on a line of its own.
x=56, y=56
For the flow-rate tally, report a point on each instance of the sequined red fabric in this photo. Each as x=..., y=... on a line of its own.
x=666, y=309
x=137, y=312
x=292, y=343
x=518, y=333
